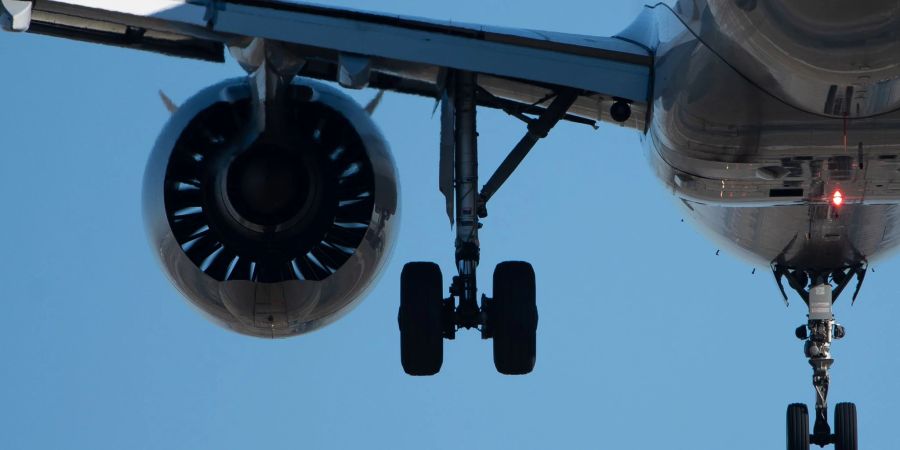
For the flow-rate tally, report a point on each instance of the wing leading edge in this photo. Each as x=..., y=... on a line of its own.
x=520, y=69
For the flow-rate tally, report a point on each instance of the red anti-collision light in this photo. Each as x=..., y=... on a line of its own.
x=837, y=198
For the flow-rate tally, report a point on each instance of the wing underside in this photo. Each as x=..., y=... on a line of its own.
x=520, y=71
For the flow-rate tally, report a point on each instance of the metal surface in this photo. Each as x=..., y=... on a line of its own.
x=537, y=130
x=271, y=67
x=447, y=161
x=820, y=301
x=831, y=58
x=284, y=308
x=140, y=32
x=603, y=75
x=354, y=71
x=820, y=334
x=713, y=131
x=775, y=124
x=15, y=15
x=407, y=54
x=755, y=112
x=466, y=188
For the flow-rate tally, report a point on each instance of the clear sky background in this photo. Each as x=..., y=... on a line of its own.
x=647, y=340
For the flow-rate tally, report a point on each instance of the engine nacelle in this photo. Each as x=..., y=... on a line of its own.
x=273, y=234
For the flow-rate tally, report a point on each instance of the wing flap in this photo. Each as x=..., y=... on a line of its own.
x=407, y=54
x=110, y=27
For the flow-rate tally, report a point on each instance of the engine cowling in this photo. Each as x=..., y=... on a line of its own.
x=272, y=234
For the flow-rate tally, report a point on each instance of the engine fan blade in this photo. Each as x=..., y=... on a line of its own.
x=310, y=269
x=188, y=227
x=241, y=269
x=201, y=248
x=331, y=257
x=185, y=168
x=332, y=133
x=218, y=268
x=356, y=212
x=215, y=128
x=359, y=191
x=345, y=156
x=180, y=199
x=303, y=119
x=274, y=272
x=345, y=237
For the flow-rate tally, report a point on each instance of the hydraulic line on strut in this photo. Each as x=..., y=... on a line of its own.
x=470, y=203
x=820, y=331
x=468, y=314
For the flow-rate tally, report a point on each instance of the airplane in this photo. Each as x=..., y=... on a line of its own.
x=271, y=199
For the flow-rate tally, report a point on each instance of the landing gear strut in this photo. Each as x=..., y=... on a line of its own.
x=510, y=317
x=819, y=333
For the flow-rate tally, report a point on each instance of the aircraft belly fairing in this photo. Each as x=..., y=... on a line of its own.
x=761, y=174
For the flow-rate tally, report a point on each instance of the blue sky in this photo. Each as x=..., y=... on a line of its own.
x=647, y=340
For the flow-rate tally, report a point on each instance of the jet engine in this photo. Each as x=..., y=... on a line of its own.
x=278, y=232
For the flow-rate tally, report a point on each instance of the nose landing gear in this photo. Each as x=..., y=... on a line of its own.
x=819, y=333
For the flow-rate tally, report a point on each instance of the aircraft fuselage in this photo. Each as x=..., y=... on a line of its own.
x=756, y=126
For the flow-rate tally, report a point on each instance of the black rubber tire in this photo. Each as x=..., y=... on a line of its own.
x=420, y=319
x=514, y=318
x=797, y=427
x=845, y=427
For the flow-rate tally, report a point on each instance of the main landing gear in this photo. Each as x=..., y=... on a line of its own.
x=819, y=333
x=426, y=317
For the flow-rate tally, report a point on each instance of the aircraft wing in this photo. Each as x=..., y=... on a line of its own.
x=520, y=70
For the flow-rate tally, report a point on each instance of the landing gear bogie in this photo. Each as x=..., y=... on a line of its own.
x=510, y=318
x=426, y=319
x=845, y=429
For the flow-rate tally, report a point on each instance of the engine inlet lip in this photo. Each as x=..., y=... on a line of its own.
x=267, y=243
